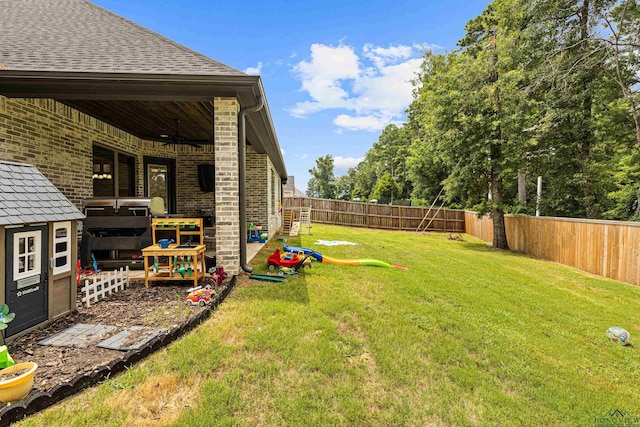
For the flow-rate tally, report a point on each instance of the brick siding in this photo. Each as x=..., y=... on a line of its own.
x=257, y=205
x=226, y=195
x=263, y=192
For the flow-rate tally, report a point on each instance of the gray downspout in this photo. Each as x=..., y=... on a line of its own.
x=242, y=178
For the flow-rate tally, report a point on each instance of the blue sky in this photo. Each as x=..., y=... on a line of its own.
x=335, y=72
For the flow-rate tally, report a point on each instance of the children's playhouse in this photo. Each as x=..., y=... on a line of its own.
x=38, y=247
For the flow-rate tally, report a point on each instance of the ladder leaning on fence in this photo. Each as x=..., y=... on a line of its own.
x=305, y=220
x=104, y=284
x=287, y=219
x=434, y=215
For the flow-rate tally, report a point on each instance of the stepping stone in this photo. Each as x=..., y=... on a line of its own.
x=131, y=338
x=81, y=336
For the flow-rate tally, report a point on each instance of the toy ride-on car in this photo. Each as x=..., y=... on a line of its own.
x=286, y=260
x=304, y=262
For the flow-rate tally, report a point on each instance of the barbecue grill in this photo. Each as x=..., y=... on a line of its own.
x=115, y=230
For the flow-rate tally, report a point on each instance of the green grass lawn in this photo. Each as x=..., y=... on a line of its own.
x=466, y=336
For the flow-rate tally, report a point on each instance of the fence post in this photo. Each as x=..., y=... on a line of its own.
x=86, y=292
x=366, y=215
x=333, y=209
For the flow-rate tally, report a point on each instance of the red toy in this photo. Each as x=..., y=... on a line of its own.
x=219, y=275
x=199, y=296
x=284, y=260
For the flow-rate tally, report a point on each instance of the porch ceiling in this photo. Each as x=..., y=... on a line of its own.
x=148, y=106
x=152, y=119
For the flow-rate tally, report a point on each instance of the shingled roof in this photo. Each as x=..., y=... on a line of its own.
x=26, y=196
x=79, y=36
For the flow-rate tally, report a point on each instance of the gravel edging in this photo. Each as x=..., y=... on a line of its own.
x=42, y=400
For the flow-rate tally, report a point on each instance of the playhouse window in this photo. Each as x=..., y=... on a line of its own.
x=62, y=247
x=26, y=254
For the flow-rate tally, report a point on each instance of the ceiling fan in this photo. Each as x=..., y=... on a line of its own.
x=179, y=139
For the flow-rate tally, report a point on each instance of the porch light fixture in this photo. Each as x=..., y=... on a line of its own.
x=102, y=171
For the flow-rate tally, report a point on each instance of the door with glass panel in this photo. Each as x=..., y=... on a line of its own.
x=160, y=183
x=26, y=276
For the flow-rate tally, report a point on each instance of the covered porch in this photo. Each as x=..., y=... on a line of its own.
x=193, y=176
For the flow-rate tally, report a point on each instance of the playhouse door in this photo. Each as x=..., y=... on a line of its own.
x=26, y=276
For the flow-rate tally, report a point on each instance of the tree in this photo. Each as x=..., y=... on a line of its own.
x=622, y=20
x=322, y=183
x=571, y=67
x=388, y=155
x=344, y=186
x=364, y=179
x=387, y=188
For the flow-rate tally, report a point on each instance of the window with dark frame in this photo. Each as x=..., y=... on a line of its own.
x=113, y=173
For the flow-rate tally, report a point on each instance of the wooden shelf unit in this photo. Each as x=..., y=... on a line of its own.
x=178, y=257
x=178, y=254
x=179, y=228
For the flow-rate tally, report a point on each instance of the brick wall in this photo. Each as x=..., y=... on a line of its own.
x=190, y=200
x=257, y=208
x=263, y=192
x=274, y=199
x=226, y=195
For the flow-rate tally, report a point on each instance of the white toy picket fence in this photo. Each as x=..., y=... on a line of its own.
x=104, y=284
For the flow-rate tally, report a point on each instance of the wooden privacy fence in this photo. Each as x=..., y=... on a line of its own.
x=390, y=217
x=606, y=248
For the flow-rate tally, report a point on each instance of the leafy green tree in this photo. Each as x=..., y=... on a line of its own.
x=387, y=188
x=570, y=67
x=364, y=179
x=547, y=88
x=344, y=186
x=622, y=42
x=323, y=182
x=388, y=155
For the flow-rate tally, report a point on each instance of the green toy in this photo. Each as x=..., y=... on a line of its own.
x=266, y=278
x=5, y=317
x=5, y=358
x=293, y=270
x=182, y=270
x=189, y=267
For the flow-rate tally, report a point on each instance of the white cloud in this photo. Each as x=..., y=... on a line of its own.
x=282, y=151
x=346, y=162
x=254, y=70
x=300, y=156
x=322, y=78
x=373, y=86
x=381, y=56
x=370, y=123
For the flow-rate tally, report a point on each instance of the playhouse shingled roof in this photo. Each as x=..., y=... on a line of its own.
x=26, y=196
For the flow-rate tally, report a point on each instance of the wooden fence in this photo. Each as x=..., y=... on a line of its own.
x=389, y=217
x=606, y=248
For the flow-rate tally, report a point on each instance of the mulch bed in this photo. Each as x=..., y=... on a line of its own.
x=161, y=306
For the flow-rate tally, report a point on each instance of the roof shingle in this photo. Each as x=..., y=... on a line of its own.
x=16, y=198
x=79, y=36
